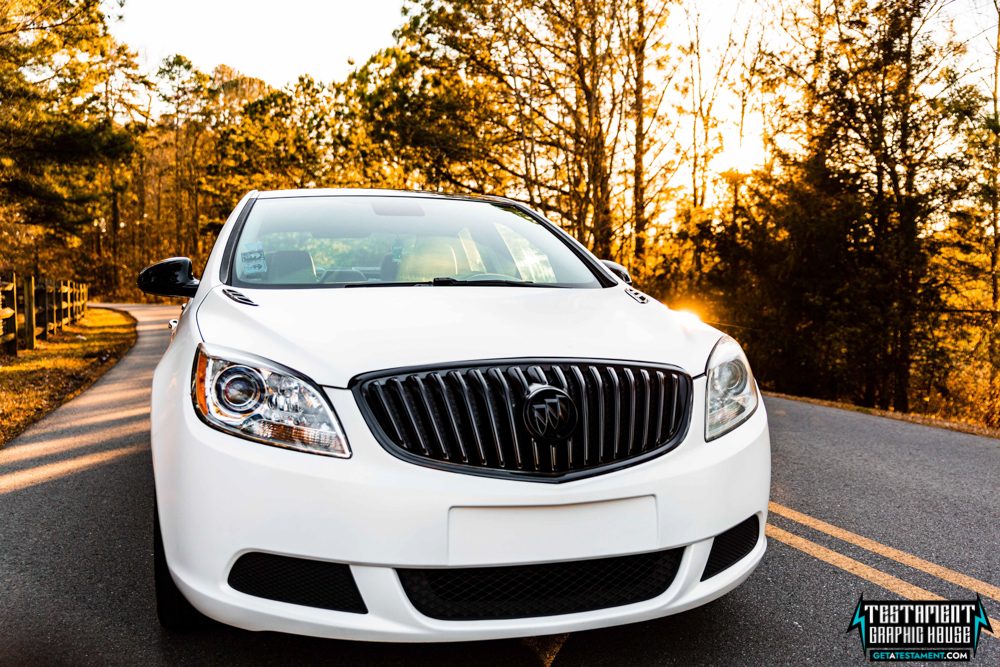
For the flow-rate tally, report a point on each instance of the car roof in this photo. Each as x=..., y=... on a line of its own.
x=373, y=192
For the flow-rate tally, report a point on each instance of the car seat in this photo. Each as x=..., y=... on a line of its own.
x=289, y=267
x=432, y=258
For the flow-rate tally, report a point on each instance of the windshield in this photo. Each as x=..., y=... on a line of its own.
x=370, y=241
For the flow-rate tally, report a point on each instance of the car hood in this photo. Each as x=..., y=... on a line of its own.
x=332, y=335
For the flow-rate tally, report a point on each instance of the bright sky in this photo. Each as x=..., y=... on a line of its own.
x=278, y=41
x=274, y=41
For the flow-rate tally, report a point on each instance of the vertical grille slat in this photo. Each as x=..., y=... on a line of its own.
x=616, y=411
x=631, y=409
x=584, y=413
x=397, y=431
x=398, y=384
x=659, y=413
x=490, y=414
x=562, y=384
x=509, y=404
x=674, y=412
x=645, y=413
x=456, y=432
x=467, y=400
x=519, y=374
x=475, y=418
x=431, y=418
x=599, y=390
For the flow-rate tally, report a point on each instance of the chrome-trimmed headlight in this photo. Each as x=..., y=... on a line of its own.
x=731, y=393
x=257, y=399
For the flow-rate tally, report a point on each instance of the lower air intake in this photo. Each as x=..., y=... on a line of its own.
x=732, y=546
x=527, y=591
x=310, y=583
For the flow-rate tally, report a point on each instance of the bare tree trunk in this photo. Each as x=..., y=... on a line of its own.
x=639, y=165
x=178, y=219
x=909, y=232
x=993, y=178
x=600, y=178
x=115, y=228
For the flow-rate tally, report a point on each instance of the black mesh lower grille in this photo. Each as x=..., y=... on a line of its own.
x=526, y=591
x=731, y=546
x=311, y=583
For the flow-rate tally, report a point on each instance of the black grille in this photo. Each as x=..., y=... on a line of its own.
x=731, y=546
x=469, y=418
x=527, y=591
x=311, y=583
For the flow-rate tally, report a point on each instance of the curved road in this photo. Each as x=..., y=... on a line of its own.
x=862, y=504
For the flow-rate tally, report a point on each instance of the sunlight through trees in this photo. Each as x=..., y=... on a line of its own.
x=817, y=177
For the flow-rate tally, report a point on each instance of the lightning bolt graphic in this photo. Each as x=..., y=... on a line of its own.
x=981, y=621
x=859, y=622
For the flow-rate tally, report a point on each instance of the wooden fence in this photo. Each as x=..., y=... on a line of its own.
x=30, y=310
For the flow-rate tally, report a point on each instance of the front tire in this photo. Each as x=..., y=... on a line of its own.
x=172, y=608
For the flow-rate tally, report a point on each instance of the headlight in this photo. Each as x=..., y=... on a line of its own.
x=732, y=393
x=259, y=400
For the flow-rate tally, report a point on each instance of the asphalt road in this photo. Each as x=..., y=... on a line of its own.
x=76, y=497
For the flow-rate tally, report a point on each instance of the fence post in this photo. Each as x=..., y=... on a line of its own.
x=50, y=297
x=54, y=305
x=8, y=313
x=44, y=310
x=61, y=302
x=29, y=313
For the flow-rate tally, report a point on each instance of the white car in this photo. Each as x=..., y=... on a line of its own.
x=412, y=417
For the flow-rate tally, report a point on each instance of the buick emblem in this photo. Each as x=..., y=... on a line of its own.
x=549, y=413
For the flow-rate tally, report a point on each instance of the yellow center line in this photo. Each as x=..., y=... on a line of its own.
x=956, y=578
x=877, y=577
x=24, y=478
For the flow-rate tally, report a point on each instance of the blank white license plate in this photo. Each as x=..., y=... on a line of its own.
x=499, y=535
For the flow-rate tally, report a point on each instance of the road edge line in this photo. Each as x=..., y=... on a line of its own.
x=915, y=562
x=866, y=572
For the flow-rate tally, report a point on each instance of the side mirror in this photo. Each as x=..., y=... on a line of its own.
x=171, y=277
x=618, y=270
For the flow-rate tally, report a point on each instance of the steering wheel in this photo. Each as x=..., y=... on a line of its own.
x=329, y=274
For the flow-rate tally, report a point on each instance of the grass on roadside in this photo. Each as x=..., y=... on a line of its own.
x=35, y=382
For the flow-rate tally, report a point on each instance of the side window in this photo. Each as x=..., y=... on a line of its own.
x=532, y=263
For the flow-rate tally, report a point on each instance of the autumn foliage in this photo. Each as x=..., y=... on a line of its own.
x=855, y=255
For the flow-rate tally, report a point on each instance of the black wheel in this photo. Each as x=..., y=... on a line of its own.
x=172, y=608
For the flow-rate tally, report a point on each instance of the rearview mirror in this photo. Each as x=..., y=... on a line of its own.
x=171, y=277
x=618, y=270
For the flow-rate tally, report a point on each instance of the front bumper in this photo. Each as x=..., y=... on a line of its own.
x=220, y=496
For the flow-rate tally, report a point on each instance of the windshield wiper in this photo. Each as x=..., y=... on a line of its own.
x=493, y=282
x=402, y=284
x=454, y=282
